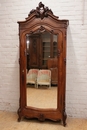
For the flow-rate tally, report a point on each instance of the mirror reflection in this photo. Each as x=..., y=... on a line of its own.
x=42, y=70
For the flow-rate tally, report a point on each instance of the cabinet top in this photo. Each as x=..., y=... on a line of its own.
x=43, y=12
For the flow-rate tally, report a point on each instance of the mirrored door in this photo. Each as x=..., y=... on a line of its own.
x=41, y=70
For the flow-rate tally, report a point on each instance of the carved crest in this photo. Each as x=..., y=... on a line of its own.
x=41, y=11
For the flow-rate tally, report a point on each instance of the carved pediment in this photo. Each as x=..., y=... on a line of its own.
x=41, y=11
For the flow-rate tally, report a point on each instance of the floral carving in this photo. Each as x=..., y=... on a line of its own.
x=41, y=11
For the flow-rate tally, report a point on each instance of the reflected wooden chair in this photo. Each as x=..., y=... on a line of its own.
x=32, y=76
x=44, y=78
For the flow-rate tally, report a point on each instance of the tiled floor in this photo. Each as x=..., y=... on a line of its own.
x=8, y=121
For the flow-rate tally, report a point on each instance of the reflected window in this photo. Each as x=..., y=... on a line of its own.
x=46, y=47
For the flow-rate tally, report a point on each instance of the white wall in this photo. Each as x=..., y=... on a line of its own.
x=75, y=11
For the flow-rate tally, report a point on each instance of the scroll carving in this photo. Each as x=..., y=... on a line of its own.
x=41, y=11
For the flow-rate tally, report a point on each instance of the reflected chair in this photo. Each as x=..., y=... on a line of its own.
x=44, y=78
x=32, y=76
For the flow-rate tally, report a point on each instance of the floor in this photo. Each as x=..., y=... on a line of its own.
x=8, y=121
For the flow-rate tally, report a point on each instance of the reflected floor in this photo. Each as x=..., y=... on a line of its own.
x=42, y=97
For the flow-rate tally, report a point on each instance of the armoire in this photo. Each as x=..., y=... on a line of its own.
x=42, y=45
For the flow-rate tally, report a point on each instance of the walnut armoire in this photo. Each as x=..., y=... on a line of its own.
x=43, y=36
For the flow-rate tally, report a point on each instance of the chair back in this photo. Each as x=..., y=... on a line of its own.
x=44, y=78
x=32, y=76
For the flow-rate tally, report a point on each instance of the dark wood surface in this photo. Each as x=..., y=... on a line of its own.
x=53, y=66
x=44, y=20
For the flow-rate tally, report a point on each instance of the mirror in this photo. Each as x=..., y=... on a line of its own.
x=41, y=69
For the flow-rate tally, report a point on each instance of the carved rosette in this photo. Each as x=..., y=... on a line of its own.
x=41, y=117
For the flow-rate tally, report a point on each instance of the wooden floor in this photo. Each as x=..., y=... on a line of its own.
x=8, y=121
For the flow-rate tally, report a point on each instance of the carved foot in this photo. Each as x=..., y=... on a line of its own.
x=19, y=114
x=64, y=123
x=64, y=119
x=19, y=119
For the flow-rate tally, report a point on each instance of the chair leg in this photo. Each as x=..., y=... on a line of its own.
x=50, y=86
x=37, y=85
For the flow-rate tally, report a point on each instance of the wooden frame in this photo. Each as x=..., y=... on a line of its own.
x=42, y=18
